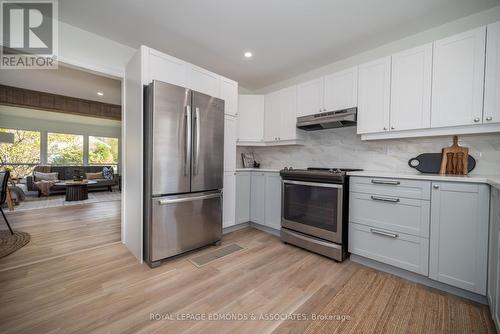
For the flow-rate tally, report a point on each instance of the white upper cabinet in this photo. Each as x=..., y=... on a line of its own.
x=310, y=97
x=458, y=78
x=229, y=93
x=288, y=111
x=411, y=89
x=272, y=117
x=492, y=79
x=341, y=90
x=374, y=85
x=250, y=118
x=204, y=81
x=164, y=68
x=229, y=143
x=281, y=116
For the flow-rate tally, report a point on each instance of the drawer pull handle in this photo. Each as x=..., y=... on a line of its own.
x=385, y=199
x=387, y=234
x=392, y=183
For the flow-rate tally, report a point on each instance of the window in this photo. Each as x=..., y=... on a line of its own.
x=22, y=155
x=64, y=149
x=103, y=151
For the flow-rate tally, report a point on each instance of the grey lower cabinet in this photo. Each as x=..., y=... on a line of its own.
x=459, y=235
x=436, y=229
x=258, y=198
x=243, y=182
x=389, y=222
x=494, y=257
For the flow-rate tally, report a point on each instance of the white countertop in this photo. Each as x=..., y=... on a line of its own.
x=257, y=170
x=491, y=180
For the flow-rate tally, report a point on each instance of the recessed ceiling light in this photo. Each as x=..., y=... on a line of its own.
x=100, y=93
x=248, y=54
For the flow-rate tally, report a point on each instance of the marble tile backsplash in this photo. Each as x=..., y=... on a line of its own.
x=344, y=148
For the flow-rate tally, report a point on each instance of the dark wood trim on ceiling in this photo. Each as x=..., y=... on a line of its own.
x=20, y=97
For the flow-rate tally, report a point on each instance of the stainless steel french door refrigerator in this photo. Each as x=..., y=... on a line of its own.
x=183, y=170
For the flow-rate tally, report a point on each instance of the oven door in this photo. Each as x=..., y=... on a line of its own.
x=313, y=208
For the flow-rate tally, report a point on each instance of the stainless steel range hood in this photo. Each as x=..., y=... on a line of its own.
x=328, y=120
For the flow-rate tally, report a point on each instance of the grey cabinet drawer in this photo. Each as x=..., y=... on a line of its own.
x=400, y=214
x=391, y=187
x=397, y=249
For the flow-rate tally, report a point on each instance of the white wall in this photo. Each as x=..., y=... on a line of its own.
x=84, y=49
x=451, y=28
x=132, y=155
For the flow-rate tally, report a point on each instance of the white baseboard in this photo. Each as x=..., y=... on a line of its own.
x=233, y=228
x=266, y=229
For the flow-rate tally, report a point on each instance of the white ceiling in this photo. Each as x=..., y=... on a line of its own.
x=65, y=81
x=287, y=37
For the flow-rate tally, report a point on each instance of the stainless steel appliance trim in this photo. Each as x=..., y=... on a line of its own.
x=188, y=199
x=385, y=199
x=393, y=183
x=197, y=141
x=387, y=234
x=314, y=184
x=315, y=231
x=188, y=140
x=331, y=250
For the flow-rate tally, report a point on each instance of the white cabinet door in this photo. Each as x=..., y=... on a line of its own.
x=341, y=90
x=243, y=180
x=459, y=235
x=288, y=114
x=310, y=97
x=458, y=78
x=258, y=198
x=492, y=75
x=374, y=85
x=204, y=81
x=229, y=93
x=273, y=200
x=229, y=200
x=272, y=117
x=160, y=66
x=251, y=118
x=411, y=89
x=229, y=143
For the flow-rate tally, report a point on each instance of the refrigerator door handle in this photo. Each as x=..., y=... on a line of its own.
x=196, y=154
x=188, y=199
x=187, y=132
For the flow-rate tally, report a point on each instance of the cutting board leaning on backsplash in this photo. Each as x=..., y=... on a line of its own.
x=454, y=159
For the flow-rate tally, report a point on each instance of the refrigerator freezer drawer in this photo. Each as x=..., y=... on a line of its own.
x=185, y=222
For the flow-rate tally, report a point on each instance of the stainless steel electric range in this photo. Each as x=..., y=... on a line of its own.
x=314, y=209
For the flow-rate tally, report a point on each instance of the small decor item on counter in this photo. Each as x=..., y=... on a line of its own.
x=431, y=163
x=248, y=160
x=256, y=164
x=454, y=159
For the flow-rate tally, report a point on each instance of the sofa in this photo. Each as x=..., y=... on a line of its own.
x=67, y=173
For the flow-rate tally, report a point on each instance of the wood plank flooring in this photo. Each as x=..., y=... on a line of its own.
x=62, y=230
x=105, y=290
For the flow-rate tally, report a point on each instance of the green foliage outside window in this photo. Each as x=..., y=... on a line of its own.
x=24, y=150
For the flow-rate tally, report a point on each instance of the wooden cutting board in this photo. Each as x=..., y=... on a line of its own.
x=454, y=159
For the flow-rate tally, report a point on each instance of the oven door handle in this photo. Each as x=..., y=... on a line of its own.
x=314, y=184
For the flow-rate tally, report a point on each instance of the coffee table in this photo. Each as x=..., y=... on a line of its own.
x=76, y=190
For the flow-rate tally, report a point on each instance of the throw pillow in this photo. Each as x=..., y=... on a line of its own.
x=39, y=176
x=94, y=176
x=108, y=173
